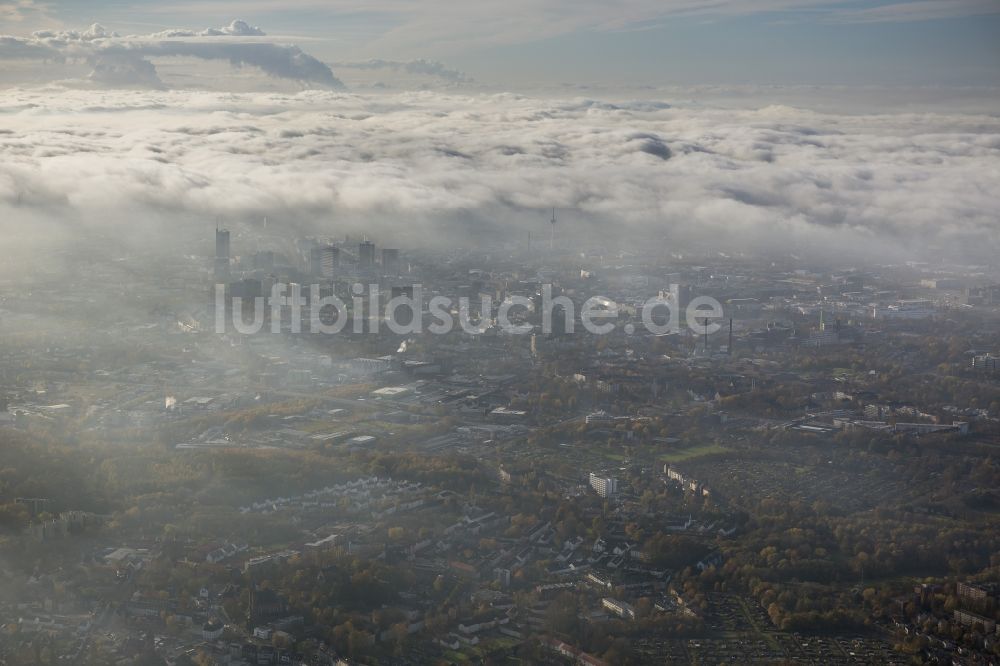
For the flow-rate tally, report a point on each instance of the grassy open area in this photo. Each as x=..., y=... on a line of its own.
x=682, y=453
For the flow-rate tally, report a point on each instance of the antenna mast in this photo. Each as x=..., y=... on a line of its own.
x=552, y=230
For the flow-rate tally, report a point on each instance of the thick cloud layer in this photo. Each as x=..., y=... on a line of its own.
x=124, y=61
x=740, y=178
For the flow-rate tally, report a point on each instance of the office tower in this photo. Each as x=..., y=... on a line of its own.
x=324, y=260
x=390, y=261
x=560, y=321
x=331, y=260
x=221, y=253
x=683, y=298
x=366, y=255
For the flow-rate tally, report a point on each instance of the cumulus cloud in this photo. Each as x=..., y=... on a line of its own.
x=856, y=184
x=62, y=37
x=285, y=62
x=125, y=61
x=237, y=28
x=12, y=48
x=124, y=68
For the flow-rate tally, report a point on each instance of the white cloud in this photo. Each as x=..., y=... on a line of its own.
x=851, y=183
x=237, y=28
x=124, y=61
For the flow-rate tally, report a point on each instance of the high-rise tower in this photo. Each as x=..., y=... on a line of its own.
x=366, y=254
x=324, y=260
x=221, y=253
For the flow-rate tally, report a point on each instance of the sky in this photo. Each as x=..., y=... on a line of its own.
x=521, y=43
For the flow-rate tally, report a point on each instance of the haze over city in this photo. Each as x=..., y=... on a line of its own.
x=533, y=332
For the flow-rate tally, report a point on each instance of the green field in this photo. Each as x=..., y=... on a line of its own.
x=682, y=453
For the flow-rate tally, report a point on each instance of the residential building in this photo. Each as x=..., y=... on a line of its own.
x=605, y=486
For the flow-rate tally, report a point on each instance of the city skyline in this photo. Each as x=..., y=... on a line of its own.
x=512, y=332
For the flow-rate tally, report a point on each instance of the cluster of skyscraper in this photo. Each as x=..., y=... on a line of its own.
x=324, y=260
